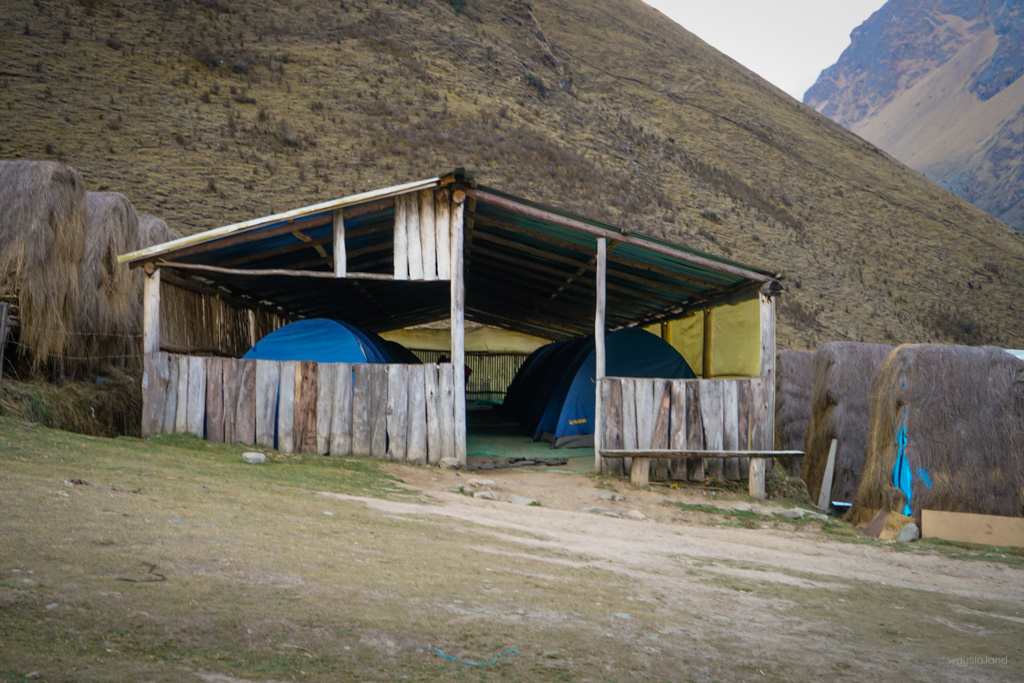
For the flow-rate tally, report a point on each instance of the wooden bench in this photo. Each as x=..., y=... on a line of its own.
x=640, y=472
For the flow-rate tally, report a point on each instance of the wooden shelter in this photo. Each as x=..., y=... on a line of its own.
x=415, y=253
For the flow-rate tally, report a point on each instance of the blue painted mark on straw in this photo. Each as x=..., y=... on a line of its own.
x=464, y=661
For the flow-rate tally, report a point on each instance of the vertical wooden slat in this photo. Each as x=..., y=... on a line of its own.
x=629, y=440
x=306, y=390
x=644, y=412
x=340, y=256
x=443, y=221
x=326, y=374
x=599, y=348
x=398, y=412
x=760, y=435
x=417, y=417
x=743, y=422
x=245, y=403
x=767, y=300
x=711, y=417
x=171, y=398
x=428, y=234
x=361, y=409
x=401, y=239
x=215, y=399
x=229, y=382
x=432, y=397
x=730, y=427
x=659, y=439
x=341, y=410
x=611, y=402
x=150, y=313
x=154, y=390
x=268, y=377
x=414, y=244
x=677, y=436
x=446, y=410
x=196, y=395
x=458, y=323
x=378, y=411
x=286, y=407
x=181, y=413
x=694, y=431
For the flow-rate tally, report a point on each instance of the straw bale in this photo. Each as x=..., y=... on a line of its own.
x=840, y=405
x=153, y=230
x=42, y=219
x=793, y=378
x=963, y=409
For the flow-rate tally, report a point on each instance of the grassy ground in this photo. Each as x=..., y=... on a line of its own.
x=170, y=559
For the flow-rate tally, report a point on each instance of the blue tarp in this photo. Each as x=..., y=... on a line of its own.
x=317, y=339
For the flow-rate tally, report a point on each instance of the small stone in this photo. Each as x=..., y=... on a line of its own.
x=908, y=533
x=328, y=513
x=254, y=458
x=34, y=676
x=487, y=495
x=597, y=511
x=612, y=513
x=481, y=483
x=522, y=500
x=762, y=510
x=636, y=514
x=618, y=497
x=53, y=605
x=451, y=463
x=820, y=517
x=605, y=495
x=792, y=514
x=743, y=507
x=622, y=615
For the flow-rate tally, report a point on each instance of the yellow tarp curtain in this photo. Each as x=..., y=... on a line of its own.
x=734, y=336
x=479, y=340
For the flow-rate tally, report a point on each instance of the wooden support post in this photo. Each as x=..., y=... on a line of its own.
x=599, y=351
x=428, y=231
x=709, y=343
x=767, y=296
x=151, y=312
x=150, y=347
x=443, y=220
x=340, y=257
x=458, y=323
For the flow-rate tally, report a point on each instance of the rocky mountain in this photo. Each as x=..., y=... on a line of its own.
x=207, y=112
x=937, y=84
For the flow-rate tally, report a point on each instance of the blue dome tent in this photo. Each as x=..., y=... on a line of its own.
x=317, y=339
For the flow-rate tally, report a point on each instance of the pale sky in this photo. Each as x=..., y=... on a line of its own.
x=786, y=42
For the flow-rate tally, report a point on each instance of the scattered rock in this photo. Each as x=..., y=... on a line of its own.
x=522, y=500
x=34, y=676
x=611, y=513
x=622, y=615
x=636, y=514
x=743, y=507
x=792, y=514
x=53, y=605
x=481, y=483
x=487, y=495
x=611, y=495
x=328, y=513
x=819, y=517
x=598, y=511
x=908, y=533
x=451, y=463
x=762, y=510
x=254, y=458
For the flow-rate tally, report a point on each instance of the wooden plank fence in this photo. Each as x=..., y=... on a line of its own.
x=396, y=412
x=684, y=415
x=423, y=235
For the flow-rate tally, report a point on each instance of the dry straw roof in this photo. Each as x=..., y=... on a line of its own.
x=529, y=267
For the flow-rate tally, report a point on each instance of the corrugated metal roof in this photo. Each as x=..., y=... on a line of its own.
x=529, y=267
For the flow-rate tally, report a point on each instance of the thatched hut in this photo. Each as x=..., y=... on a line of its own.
x=42, y=219
x=794, y=375
x=947, y=422
x=840, y=404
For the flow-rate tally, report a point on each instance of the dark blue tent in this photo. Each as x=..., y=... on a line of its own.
x=631, y=352
x=317, y=339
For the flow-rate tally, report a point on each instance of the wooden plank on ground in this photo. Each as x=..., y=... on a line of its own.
x=307, y=377
x=398, y=412
x=659, y=439
x=417, y=439
x=326, y=372
x=171, y=398
x=378, y=410
x=268, y=377
x=361, y=409
x=611, y=405
x=341, y=410
x=181, y=413
x=965, y=527
x=154, y=392
x=196, y=395
x=229, y=383
x=711, y=417
x=694, y=431
x=432, y=396
x=428, y=234
x=443, y=219
x=677, y=435
x=446, y=403
x=215, y=399
x=245, y=405
x=730, y=426
x=286, y=408
x=401, y=239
